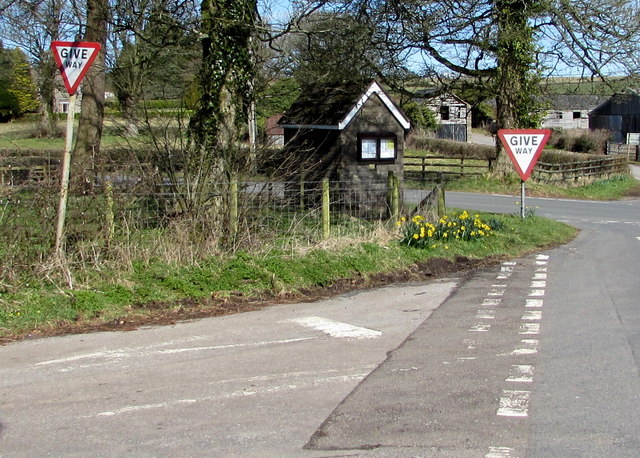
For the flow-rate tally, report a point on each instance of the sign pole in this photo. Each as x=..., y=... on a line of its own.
x=522, y=196
x=66, y=171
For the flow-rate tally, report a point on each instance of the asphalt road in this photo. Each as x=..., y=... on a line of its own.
x=534, y=357
x=537, y=359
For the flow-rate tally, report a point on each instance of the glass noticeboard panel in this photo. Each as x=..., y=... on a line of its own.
x=387, y=148
x=369, y=148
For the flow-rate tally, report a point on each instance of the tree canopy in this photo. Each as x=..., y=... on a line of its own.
x=17, y=90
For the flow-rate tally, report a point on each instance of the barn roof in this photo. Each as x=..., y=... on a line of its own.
x=619, y=104
x=572, y=102
x=334, y=107
x=439, y=93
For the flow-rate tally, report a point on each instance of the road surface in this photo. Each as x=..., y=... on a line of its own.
x=536, y=357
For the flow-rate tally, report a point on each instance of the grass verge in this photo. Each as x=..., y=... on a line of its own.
x=156, y=292
x=613, y=188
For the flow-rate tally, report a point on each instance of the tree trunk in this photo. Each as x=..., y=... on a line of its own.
x=89, y=135
x=128, y=106
x=515, y=57
x=47, y=124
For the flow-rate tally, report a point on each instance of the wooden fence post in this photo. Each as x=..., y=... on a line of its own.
x=109, y=213
x=394, y=195
x=302, y=192
x=326, y=215
x=233, y=208
x=442, y=209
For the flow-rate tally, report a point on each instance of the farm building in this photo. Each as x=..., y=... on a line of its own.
x=570, y=111
x=352, y=135
x=452, y=113
x=273, y=131
x=620, y=114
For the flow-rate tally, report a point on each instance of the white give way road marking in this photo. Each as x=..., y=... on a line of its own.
x=337, y=328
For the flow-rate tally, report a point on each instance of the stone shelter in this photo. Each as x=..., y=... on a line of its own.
x=352, y=135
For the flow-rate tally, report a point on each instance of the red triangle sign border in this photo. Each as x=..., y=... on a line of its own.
x=526, y=172
x=72, y=85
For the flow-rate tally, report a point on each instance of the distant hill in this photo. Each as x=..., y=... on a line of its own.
x=564, y=85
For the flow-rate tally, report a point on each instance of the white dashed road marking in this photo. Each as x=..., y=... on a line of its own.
x=491, y=302
x=514, y=403
x=533, y=303
x=529, y=329
x=520, y=373
x=527, y=347
x=532, y=315
x=499, y=452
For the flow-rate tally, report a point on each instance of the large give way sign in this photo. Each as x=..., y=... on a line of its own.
x=524, y=147
x=74, y=59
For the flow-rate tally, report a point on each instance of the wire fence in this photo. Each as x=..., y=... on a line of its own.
x=125, y=219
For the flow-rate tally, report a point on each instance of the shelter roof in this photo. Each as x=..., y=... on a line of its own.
x=333, y=107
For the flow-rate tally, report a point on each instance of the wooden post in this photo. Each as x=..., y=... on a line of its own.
x=394, y=187
x=109, y=214
x=326, y=215
x=233, y=208
x=442, y=208
x=301, y=201
x=66, y=171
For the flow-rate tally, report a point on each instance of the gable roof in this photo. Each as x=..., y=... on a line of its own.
x=335, y=107
x=571, y=102
x=436, y=93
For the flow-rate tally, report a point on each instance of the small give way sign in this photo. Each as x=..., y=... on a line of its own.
x=74, y=59
x=524, y=147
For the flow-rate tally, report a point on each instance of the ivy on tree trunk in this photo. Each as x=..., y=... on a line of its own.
x=215, y=156
x=225, y=80
x=89, y=135
x=516, y=78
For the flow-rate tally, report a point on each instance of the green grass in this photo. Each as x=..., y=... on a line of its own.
x=21, y=135
x=114, y=294
x=609, y=189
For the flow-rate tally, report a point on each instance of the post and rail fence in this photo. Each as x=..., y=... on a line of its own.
x=572, y=172
x=631, y=152
x=439, y=167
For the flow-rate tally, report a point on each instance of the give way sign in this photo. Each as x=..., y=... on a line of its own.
x=524, y=147
x=74, y=59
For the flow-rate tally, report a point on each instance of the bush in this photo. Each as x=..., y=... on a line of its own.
x=421, y=116
x=449, y=147
x=563, y=157
x=580, y=140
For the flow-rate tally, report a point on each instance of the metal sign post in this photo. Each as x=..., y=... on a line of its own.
x=66, y=171
x=522, y=196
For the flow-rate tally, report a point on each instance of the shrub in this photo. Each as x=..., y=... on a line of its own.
x=580, y=140
x=450, y=147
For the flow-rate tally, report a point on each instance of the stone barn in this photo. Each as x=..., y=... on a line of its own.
x=352, y=135
x=569, y=111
